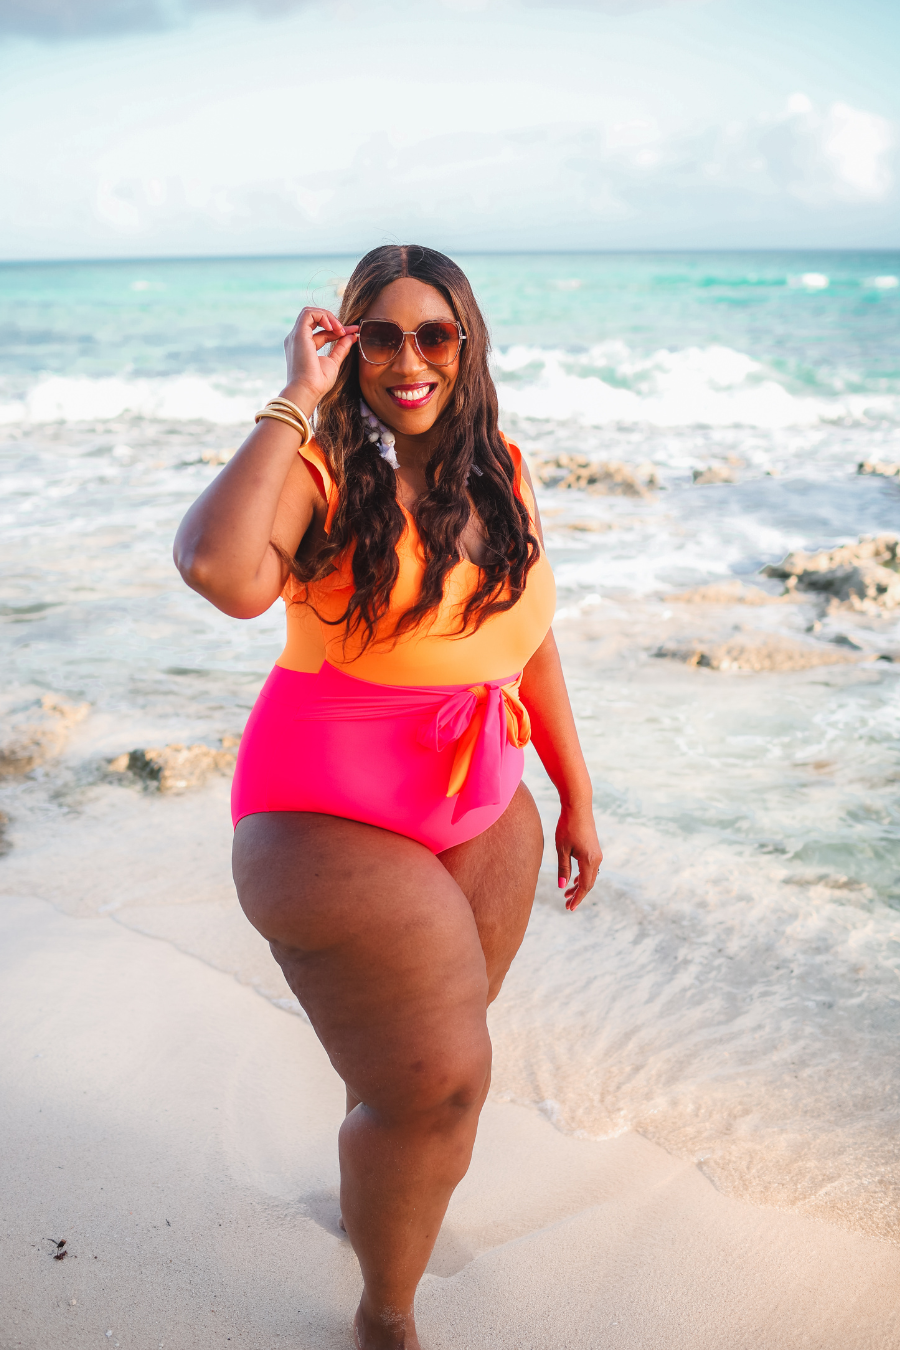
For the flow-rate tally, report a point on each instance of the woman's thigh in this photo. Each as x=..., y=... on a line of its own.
x=381, y=947
x=498, y=872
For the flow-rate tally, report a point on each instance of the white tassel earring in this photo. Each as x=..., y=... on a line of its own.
x=379, y=434
x=383, y=437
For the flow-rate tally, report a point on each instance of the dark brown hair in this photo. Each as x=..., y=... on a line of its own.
x=369, y=521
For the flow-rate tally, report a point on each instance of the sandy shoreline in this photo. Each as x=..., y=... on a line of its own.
x=142, y=1086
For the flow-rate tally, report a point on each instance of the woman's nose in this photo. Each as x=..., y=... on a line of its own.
x=408, y=358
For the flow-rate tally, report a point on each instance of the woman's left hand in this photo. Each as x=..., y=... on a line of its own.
x=576, y=837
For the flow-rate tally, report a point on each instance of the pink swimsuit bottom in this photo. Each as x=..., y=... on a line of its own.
x=438, y=764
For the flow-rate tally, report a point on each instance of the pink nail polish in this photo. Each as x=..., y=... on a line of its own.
x=562, y=882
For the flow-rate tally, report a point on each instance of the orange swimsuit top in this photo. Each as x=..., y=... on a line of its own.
x=433, y=653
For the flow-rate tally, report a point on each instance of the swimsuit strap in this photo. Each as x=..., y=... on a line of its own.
x=515, y=455
x=520, y=483
x=314, y=457
x=315, y=461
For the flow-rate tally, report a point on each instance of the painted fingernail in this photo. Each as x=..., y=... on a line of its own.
x=562, y=882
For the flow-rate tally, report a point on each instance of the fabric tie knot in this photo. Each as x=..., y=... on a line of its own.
x=481, y=720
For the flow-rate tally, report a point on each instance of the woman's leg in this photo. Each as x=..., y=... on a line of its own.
x=497, y=872
x=381, y=947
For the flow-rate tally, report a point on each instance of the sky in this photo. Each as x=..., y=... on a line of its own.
x=134, y=128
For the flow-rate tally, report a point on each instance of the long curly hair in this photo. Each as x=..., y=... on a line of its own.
x=369, y=522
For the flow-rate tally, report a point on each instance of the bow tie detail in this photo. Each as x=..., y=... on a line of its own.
x=481, y=720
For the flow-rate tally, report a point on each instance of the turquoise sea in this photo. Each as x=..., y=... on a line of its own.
x=733, y=988
x=821, y=323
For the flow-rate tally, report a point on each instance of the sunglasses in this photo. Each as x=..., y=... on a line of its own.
x=437, y=341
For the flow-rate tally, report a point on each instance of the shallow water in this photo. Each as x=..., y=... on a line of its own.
x=732, y=989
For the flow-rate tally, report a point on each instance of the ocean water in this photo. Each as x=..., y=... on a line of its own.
x=732, y=989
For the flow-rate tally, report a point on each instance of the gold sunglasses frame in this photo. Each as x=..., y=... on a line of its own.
x=414, y=334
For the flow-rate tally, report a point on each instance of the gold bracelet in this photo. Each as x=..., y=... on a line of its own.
x=286, y=406
x=281, y=410
x=287, y=420
x=284, y=411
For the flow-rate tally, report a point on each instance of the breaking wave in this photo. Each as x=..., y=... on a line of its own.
x=712, y=386
x=695, y=386
x=182, y=398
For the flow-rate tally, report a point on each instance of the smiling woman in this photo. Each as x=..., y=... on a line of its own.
x=385, y=844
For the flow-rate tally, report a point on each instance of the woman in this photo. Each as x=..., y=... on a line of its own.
x=384, y=843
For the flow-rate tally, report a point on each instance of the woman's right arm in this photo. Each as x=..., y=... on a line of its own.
x=223, y=547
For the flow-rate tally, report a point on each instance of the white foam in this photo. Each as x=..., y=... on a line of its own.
x=812, y=281
x=886, y=283
x=609, y=384
x=695, y=386
x=180, y=398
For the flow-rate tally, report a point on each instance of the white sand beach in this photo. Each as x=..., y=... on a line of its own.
x=178, y=1130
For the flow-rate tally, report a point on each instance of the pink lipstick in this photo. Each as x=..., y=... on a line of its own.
x=412, y=395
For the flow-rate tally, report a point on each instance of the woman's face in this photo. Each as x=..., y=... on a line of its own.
x=408, y=394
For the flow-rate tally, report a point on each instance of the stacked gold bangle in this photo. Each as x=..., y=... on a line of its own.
x=281, y=410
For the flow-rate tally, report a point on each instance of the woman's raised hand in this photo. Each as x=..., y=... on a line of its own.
x=310, y=374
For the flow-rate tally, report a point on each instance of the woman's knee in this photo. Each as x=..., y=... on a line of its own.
x=439, y=1089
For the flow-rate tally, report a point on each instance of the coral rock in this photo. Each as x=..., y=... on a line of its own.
x=714, y=473
x=175, y=768
x=39, y=734
x=727, y=593
x=863, y=576
x=610, y=478
x=879, y=468
x=769, y=653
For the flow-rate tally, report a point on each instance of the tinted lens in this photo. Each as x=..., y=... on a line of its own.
x=379, y=341
x=438, y=342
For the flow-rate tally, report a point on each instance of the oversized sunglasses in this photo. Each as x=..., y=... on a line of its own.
x=437, y=341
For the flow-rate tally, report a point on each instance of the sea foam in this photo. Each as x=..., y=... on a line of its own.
x=181, y=398
x=713, y=386
x=696, y=386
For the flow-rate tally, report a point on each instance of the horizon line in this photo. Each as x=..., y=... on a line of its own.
x=480, y=252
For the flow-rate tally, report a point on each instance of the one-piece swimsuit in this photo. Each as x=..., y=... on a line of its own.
x=423, y=734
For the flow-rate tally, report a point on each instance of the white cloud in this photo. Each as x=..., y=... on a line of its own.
x=587, y=185
x=62, y=20
x=843, y=154
x=115, y=206
x=557, y=133
x=858, y=145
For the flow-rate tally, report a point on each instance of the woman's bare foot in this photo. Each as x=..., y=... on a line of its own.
x=391, y=1330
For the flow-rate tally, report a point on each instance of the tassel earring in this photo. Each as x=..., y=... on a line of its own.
x=383, y=438
x=379, y=434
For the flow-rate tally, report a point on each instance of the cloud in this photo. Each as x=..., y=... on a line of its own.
x=60, y=19
x=229, y=175
x=843, y=154
x=794, y=176
x=839, y=155
x=55, y=20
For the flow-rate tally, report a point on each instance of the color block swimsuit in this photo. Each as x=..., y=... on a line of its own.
x=422, y=736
